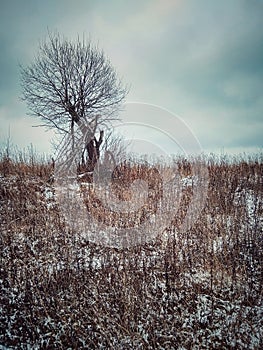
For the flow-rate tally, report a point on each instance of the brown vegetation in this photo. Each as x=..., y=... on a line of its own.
x=200, y=288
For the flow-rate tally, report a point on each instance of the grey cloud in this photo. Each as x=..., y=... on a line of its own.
x=201, y=59
x=209, y=46
x=8, y=70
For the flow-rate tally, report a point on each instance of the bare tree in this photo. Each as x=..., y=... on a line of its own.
x=91, y=152
x=72, y=84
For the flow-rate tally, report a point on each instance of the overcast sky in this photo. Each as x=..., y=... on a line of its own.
x=200, y=59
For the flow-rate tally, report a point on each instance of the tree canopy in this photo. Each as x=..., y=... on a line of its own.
x=71, y=83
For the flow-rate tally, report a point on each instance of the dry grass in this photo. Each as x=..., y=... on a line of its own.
x=195, y=289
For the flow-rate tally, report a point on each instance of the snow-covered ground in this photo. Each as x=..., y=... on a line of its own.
x=186, y=290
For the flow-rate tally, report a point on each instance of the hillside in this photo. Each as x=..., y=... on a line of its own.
x=199, y=288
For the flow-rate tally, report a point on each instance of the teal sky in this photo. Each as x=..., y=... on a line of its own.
x=201, y=60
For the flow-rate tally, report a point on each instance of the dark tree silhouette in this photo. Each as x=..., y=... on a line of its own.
x=72, y=84
x=93, y=151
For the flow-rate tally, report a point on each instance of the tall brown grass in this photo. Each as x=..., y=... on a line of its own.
x=195, y=289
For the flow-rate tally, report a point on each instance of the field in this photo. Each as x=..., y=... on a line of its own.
x=197, y=288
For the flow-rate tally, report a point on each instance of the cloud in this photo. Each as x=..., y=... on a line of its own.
x=201, y=60
x=21, y=131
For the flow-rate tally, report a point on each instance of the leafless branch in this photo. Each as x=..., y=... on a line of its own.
x=71, y=83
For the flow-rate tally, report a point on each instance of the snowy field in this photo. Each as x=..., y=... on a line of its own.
x=199, y=288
